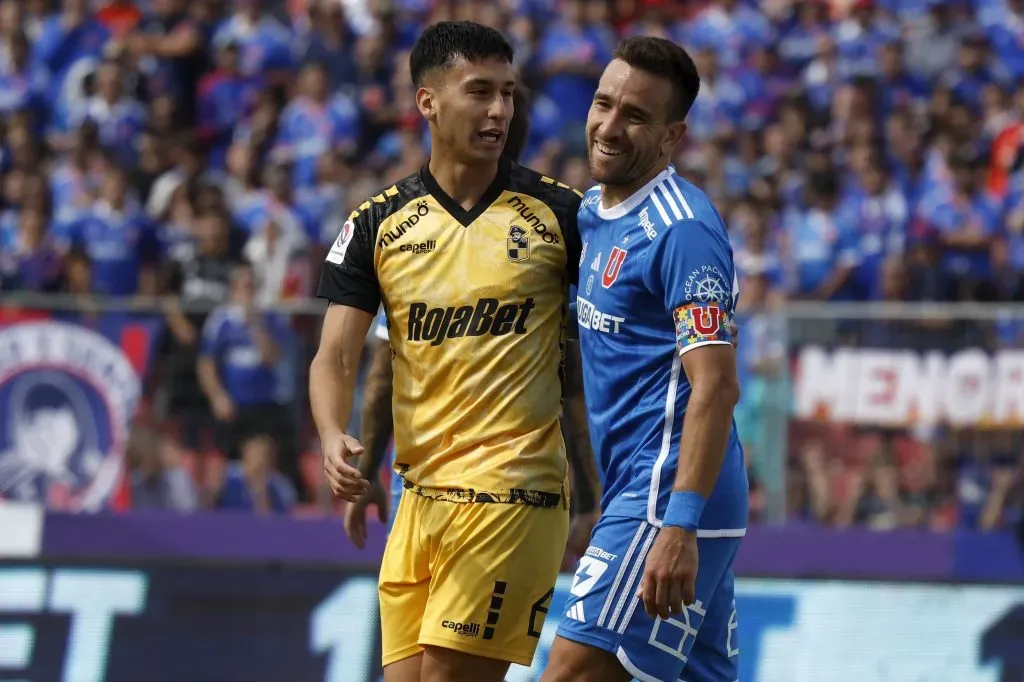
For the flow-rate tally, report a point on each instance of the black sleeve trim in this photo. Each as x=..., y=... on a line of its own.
x=573, y=246
x=347, y=286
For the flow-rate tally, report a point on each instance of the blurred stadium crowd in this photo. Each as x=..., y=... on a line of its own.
x=209, y=151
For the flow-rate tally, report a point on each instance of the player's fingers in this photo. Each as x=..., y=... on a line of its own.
x=689, y=589
x=352, y=527
x=661, y=593
x=345, y=487
x=343, y=468
x=675, y=596
x=648, y=591
x=354, y=447
x=383, y=512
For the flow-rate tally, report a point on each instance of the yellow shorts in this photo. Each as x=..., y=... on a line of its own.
x=474, y=577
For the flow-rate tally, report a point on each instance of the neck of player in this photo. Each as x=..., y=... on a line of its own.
x=613, y=195
x=464, y=183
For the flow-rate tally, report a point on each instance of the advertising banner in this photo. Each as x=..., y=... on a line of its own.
x=68, y=389
x=166, y=623
x=899, y=388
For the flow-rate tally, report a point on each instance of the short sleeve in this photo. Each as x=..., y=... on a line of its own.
x=210, y=341
x=690, y=269
x=348, y=276
x=573, y=245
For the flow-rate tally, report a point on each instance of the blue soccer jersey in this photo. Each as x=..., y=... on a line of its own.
x=656, y=280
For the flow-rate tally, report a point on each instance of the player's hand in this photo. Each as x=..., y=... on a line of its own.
x=355, y=514
x=735, y=331
x=670, y=574
x=580, y=528
x=346, y=481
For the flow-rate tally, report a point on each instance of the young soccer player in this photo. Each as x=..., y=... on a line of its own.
x=652, y=598
x=377, y=419
x=472, y=257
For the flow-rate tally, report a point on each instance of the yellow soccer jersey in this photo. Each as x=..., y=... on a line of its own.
x=477, y=313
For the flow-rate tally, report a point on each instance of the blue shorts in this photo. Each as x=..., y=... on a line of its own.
x=602, y=610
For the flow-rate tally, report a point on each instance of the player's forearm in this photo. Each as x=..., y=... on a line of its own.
x=332, y=385
x=377, y=417
x=705, y=435
x=576, y=430
x=586, y=483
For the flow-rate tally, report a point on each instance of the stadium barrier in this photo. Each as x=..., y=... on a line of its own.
x=917, y=383
x=234, y=598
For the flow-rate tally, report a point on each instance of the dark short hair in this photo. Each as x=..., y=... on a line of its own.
x=443, y=44
x=519, y=126
x=668, y=60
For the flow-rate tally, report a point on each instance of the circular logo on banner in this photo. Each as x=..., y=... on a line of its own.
x=66, y=396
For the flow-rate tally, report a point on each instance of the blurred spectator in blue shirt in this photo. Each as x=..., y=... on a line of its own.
x=118, y=117
x=966, y=220
x=119, y=239
x=226, y=97
x=265, y=42
x=729, y=27
x=253, y=485
x=801, y=40
x=1003, y=21
x=323, y=202
x=881, y=215
x=896, y=88
x=67, y=38
x=76, y=179
x=330, y=42
x=858, y=38
x=275, y=201
x=314, y=122
x=240, y=358
x=29, y=258
x=23, y=85
x=973, y=72
x=823, y=243
x=572, y=59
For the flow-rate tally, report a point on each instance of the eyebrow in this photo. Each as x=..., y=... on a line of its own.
x=478, y=82
x=627, y=107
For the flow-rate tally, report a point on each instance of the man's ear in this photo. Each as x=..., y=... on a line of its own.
x=425, y=103
x=676, y=132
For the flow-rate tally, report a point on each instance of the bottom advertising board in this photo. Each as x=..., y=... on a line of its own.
x=251, y=623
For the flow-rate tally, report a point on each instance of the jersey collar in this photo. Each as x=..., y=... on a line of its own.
x=634, y=199
x=454, y=208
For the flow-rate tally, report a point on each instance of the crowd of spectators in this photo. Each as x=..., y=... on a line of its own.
x=860, y=150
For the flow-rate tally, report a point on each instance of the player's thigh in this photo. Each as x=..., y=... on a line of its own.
x=406, y=670
x=404, y=582
x=442, y=664
x=493, y=580
x=570, y=661
x=715, y=655
x=604, y=612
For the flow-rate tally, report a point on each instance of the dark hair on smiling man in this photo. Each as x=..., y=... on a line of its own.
x=664, y=58
x=443, y=44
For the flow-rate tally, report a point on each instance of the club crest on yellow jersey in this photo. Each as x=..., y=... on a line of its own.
x=518, y=244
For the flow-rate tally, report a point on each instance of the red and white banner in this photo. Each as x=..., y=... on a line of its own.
x=968, y=388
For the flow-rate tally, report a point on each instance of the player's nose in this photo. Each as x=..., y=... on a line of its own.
x=499, y=110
